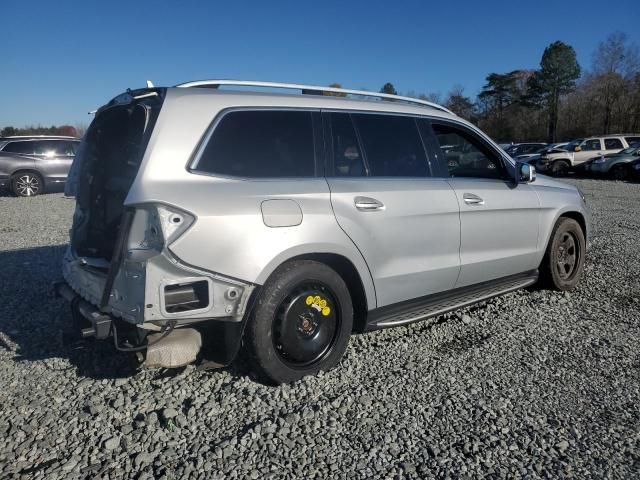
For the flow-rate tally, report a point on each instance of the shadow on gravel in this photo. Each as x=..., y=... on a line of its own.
x=33, y=321
x=36, y=326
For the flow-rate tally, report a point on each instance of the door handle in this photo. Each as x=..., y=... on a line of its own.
x=471, y=199
x=366, y=204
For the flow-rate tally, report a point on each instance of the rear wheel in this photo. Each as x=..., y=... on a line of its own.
x=26, y=184
x=619, y=172
x=559, y=168
x=301, y=323
x=563, y=262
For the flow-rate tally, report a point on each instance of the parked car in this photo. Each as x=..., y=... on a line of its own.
x=32, y=165
x=520, y=149
x=281, y=223
x=633, y=170
x=614, y=164
x=578, y=151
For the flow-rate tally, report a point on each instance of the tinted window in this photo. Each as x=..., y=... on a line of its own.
x=631, y=140
x=592, y=145
x=392, y=145
x=612, y=144
x=466, y=155
x=261, y=144
x=19, y=147
x=347, y=157
x=54, y=148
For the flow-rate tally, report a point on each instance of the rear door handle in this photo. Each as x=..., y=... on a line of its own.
x=471, y=199
x=366, y=204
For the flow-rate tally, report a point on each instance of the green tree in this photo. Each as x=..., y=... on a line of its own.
x=388, y=88
x=8, y=131
x=559, y=70
x=335, y=94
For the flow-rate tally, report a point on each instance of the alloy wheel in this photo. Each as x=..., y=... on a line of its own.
x=27, y=185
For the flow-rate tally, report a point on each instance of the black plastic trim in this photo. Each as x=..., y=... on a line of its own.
x=435, y=304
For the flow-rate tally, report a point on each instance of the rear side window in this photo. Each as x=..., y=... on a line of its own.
x=261, y=144
x=347, y=155
x=612, y=144
x=26, y=148
x=54, y=148
x=392, y=145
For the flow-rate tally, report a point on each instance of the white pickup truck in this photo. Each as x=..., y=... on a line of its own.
x=558, y=162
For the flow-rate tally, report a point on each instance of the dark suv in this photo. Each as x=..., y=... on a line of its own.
x=31, y=165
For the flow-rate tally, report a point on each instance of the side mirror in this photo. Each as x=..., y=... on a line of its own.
x=525, y=173
x=577, y=148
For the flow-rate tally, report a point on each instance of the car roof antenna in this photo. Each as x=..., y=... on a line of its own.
x=150, y=84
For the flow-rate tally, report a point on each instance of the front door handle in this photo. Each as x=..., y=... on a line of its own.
x=471, y=199
x=366, y=204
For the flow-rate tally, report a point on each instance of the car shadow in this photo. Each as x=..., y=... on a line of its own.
x=36, y=326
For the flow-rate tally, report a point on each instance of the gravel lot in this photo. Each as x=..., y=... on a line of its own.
x=536, y=383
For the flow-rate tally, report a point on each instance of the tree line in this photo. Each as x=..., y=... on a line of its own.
x=62, y=130
x=558, y=101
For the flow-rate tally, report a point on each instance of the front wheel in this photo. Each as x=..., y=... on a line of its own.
x=563, y=262
x=27, y=184
x=301, y=323
x=559, y=168
x=619, y=172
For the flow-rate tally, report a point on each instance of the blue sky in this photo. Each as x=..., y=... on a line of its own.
x=61, y=59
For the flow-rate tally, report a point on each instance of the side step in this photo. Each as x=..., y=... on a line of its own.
x=439, y=303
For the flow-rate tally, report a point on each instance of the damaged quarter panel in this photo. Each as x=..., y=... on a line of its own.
x=231, y=234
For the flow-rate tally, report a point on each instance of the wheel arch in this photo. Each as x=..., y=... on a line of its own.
x=573, y=214
x=360, y=286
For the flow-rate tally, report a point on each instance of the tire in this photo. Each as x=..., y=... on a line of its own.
x=301, y=323
x=619, y=172
x=560, y=168
x=27, y=184
x=558, y=271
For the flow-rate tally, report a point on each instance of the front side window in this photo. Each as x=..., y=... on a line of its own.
x=392, y=145
x=593, y=144
x=612, y=144
x=262, y=144
x=632, y=140
x=466, y=155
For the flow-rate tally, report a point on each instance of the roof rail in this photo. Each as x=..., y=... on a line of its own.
x=38, y=137
x=296, y=86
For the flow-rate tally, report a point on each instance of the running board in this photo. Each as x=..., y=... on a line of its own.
x=439, y=303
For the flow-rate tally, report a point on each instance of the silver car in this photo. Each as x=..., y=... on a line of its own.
x=210, y=220
x=32, y=165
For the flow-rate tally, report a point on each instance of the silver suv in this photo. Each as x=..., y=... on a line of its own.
x=30, y=165
x=209, y=219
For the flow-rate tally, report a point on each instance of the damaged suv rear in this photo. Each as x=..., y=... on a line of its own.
x=120, y=273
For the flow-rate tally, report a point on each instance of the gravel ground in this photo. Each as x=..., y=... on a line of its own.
x=536, y=383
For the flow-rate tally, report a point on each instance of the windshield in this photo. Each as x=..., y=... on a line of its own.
x=630, y=150
x=572, y=145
